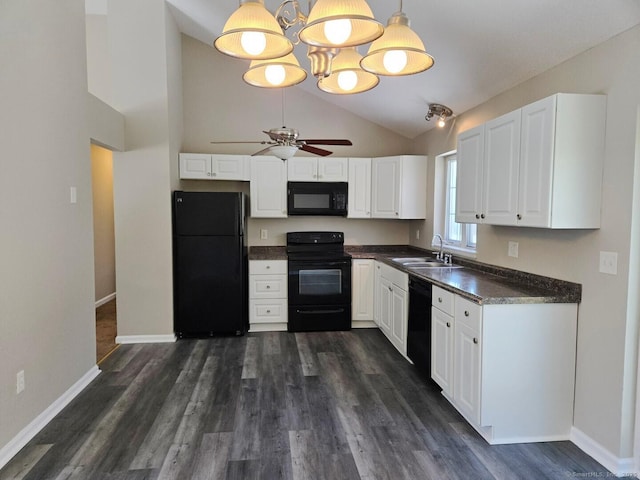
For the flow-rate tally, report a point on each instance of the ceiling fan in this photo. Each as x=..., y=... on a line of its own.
x=284, y=143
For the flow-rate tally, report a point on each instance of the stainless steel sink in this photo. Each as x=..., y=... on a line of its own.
x=421, y=262
x=406, y=260
x=426, y=266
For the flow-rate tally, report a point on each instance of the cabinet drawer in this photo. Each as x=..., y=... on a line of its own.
x=468, y=313
x=268, y=311
x=267, y=286
x=443, y=300
x=267, y=267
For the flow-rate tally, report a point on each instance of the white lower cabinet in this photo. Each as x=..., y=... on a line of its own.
x=268, y=295
x=508, y=368
x=392, y=300
x=362, y=292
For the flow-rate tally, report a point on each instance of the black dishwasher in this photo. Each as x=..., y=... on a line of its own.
x=419, y=328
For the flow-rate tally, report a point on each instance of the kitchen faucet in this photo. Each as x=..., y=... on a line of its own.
x=440, y=254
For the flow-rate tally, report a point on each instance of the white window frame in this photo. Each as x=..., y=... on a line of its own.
x=443, y=214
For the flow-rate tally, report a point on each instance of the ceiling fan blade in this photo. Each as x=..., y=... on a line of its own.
x=327, y=142
x=318, y=151
x=261, y=152
x=263, y=142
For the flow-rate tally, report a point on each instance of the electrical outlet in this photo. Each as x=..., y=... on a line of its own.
x=609, y=263
x=417, y=234
x=513, y=249
x=264, y=234
x=73, y=195
x=20, y=381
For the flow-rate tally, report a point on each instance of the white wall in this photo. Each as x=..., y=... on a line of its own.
x=218, y=105
x=47, y=315
x=605, y=384
x=142, y=47
x=103, y=236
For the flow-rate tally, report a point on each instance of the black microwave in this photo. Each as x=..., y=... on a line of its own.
x=317, y=198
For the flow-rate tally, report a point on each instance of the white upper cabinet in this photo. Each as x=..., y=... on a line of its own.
x=204, y=166
x=561, y=160
x=322, y=169
x=398, y=187
x=359, y=200
x=539, y=166
x=268, y=187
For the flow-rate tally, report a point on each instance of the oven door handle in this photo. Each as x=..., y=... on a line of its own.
x=302, y=264
x=319, y=312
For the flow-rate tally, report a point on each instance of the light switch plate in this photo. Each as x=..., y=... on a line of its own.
x=264, y=234
x=513, y=249
x=609, y=263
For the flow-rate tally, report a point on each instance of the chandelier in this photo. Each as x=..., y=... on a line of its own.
x=332, y=31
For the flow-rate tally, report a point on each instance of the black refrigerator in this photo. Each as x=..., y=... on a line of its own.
x=210, y=264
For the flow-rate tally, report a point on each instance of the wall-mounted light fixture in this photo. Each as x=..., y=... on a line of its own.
x=441, y=111
x=331, y=28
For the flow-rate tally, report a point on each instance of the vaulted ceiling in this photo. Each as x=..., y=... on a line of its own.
x=481, y=48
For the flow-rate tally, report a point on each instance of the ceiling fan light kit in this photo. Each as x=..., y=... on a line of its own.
x=333, y=27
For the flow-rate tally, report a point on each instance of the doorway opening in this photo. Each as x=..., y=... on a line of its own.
x=104, y=251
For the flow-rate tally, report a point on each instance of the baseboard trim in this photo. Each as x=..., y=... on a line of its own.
x=124, y=339
x=618, y=466
x=27, y=433
x=106, y=299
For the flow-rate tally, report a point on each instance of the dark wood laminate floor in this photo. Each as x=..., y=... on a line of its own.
x=328, y=405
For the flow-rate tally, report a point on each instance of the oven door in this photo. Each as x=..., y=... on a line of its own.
x=320, y=282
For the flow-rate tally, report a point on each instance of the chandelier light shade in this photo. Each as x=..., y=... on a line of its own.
x=340, y=23
x=253, y=33
x=398, y=52
x=275, y=72
x=346, y=75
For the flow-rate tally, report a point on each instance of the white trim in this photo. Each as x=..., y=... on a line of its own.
x=124, y=339
x=106, y=299
x=363, y=324
x=618, y=466
x=30, y=431
x=268, y=327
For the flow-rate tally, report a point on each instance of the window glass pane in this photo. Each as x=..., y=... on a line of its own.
x=472, y=230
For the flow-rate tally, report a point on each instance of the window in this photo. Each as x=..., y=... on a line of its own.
x=462, y=236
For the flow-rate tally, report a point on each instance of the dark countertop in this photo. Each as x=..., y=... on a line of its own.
x=481, y=283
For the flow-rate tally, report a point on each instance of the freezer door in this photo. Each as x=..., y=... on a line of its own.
x=210, y=291
x=208, y=213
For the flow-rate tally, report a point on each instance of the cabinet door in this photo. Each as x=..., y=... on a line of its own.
x=385, y=193
x=442, y=350
x=230, y=167
x=333, y=169
x=268, y=187
x=469, y=176
x=302, y=169
x=500, y=169
x=536, y=163
x=385, y=303
x=467, y=358
x=359, y=201
x=399, y=318
x=362, y=279
x=196, y=166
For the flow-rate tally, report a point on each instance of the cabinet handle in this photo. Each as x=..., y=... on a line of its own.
x=466, y=313
x=268, y=287
x=519, y=217
x=482, y=215
x=475, y=340
x=396, y=214
x=440, y=299
x=448, y=324
x=390, y=289
x=477, y=216
x=213, y=174
x=268, y=311
x=268, y=267
x=208, y=174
